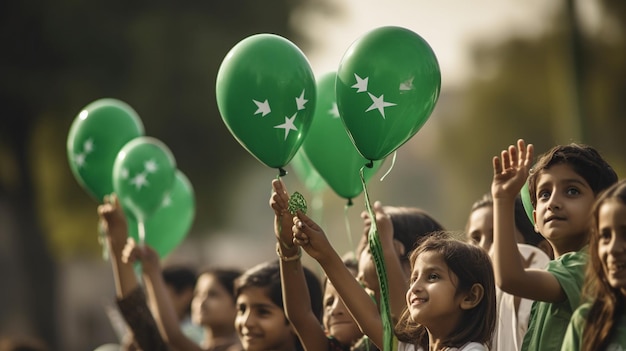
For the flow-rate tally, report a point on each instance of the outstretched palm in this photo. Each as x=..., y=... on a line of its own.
x=510, y=170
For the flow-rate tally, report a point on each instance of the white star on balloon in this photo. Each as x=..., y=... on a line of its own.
x=79, y=159
x=300, y=101
x=88, y=146
x=334, y=111
x=379, y=104
x=407, y=85
x=167, y=201
x=150, y=166
x=139, y=180
x=288, y=125
x=361, y=84
x=124, y=173
x=262, y=107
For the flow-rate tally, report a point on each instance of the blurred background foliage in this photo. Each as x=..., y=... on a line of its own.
x=565, y=85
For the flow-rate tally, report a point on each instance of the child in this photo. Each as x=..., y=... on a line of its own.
x=261, y=322
x=213, y=305
x=513, y=311
x=461, y=269
x=600, y=324
x=563, y=186
x=339, y=331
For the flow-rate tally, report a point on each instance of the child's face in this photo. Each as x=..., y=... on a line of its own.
x=432, y=299
x=564, y=202
x=480, y=228
x=212, y=304
x=337, y=320
x=612, y=242
x=261, y=324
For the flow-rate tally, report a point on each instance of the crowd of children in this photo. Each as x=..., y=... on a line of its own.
x=556, y=282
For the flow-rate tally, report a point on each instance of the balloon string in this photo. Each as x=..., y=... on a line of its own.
x=102, y=240
x=348, y=230
x=393, y=162
x=376, y=250
x=141, y=233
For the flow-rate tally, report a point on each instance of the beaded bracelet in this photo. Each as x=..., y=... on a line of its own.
x=288, y=258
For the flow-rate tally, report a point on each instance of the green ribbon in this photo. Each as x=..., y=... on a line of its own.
x=376, y=250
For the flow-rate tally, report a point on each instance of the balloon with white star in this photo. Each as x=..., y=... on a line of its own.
x=329, y=148
x=266, y=96
x=387, y=85
x=143, y=175
x=171, y=222
x=96, y=135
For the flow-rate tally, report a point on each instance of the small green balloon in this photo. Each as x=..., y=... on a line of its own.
x=528, y=205
x=266, y=95
x=170, y=224
x=143, y=174
x=329, y=148
x=388, y=83
x=96, y=135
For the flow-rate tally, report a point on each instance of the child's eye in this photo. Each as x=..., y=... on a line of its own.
x=241, y=308
x=433, y=276
x=543, y=195
x=572, y=191
x=476, y=238
x=605, y=235
x=329, y=302
x=264, y=312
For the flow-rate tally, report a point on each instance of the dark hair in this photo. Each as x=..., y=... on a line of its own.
x=410, y=224
x=21, y=344
x=180, y=277
x=607, y=302
x=267, y=275
x=584, y=160
x=471, y=265
x=225, y=276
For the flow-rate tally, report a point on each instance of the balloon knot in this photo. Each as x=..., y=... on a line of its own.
x=370, y=164
x=349, y=202
x=281, y=172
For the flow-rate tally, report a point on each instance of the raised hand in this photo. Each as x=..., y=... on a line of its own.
x=283, y=220
x=113, y=222
x=510, y=170
x=148, y=257
x=308, y=235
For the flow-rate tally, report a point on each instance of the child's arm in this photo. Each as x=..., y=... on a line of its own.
x=510, y=172
x=130, y=297
x=295, y=292
x=162, y=306
x=312, y=239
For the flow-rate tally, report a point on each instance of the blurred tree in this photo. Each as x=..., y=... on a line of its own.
x=526, y=88
x=162, y=58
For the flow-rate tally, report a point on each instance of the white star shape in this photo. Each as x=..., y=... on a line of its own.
x=379, y=103
x=167, y=201
x=288, y=125
x=334, y=111
x=361, y=84
x=407, y=85
x=124, y=173
x=139, y=180
x=300, y=101
x=79, y=159
x=88, y=146
x=150, y=166
x=262, y=107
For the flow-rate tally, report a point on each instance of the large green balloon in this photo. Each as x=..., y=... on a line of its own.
x=387, y=85
x=266, y=95
x=307, y=174
x=96, y=136
x=143, y=174
x=329, y=148
x=170, y=224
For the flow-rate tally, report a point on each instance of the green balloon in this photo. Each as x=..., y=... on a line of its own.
x=307, y=174
x=96, y=136
x=329, y=148
x=528, y=205
x=266, y=94
x=170, y=224
x=143, y=174
x=387, y=85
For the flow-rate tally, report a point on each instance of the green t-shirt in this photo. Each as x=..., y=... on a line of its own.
x=548, y=321
x=574, y=335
